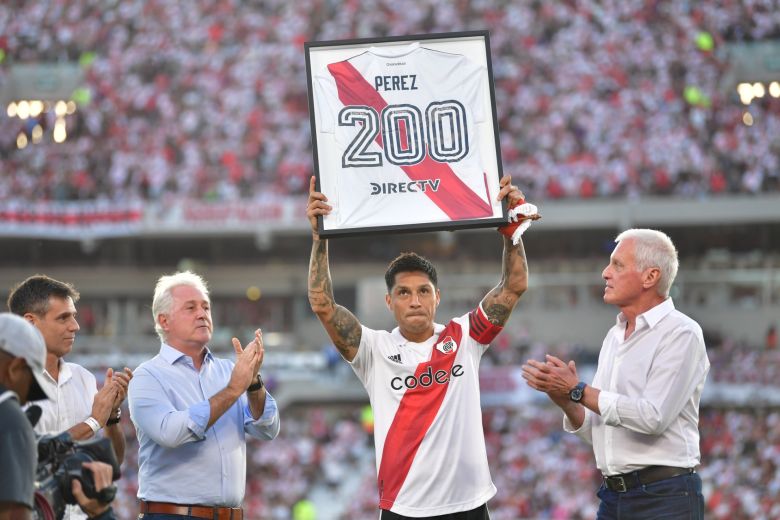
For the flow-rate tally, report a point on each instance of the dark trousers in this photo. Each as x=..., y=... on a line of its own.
x=479, y=513
x=676, y=498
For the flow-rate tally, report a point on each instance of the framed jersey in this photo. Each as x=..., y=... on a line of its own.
x=404, y=133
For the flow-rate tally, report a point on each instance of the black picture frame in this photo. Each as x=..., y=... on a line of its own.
x=466, y=200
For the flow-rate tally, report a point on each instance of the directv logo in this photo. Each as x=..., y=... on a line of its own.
x=404, y=187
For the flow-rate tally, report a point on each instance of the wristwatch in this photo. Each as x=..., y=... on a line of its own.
x=257, y=385
x=576, y=393
x=115, y=420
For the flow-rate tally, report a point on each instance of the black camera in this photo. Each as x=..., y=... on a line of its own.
x=60, y=461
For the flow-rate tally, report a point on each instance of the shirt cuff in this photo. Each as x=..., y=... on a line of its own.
x=569, y=427
x=608, y=408
x=199, y=418
x=269, y=412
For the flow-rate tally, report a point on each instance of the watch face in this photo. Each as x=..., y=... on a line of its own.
x=576, y=393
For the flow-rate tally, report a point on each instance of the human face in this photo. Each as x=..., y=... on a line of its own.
x=16, y=375
x=188, y=325
x=58, y=325
x=413, y=301
x=623, y=280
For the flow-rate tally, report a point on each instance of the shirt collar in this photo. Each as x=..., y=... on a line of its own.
x=172, y=355
x=400, y=340
x=651, y=316
x=65, y=373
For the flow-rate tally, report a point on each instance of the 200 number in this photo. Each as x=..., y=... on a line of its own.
x=404, y=136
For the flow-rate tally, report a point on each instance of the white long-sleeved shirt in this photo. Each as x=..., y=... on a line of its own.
x=650, y=385
x=73, y=392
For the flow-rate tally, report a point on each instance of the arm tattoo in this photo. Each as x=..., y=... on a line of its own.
x=499, y=302
x=320, y=284
x=497, y=314
x=348, y=329
x=342, y=326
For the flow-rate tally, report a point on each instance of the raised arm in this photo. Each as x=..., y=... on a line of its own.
x=341, y=325
x=500, y=301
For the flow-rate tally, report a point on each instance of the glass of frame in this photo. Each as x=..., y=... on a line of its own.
x=404, y=133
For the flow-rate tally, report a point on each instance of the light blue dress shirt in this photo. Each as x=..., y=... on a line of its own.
x=179, y=460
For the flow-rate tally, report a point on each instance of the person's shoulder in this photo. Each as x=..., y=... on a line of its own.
x=683, y=319
x=77, y=369
x=683, y=322
x=81, y=373
x=151, y=365
x=11, y=414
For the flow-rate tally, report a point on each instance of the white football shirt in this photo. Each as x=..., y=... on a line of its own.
x=72, y=395
x=405, y=123
x=429, y=442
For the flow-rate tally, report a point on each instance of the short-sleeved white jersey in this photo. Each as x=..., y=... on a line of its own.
x=430, y=446
x=405, y=122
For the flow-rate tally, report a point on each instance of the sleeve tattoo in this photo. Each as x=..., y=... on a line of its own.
x=500, y=301
x=341, y=325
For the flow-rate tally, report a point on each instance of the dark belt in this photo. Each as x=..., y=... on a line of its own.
x=198, y=511
x=648, y=475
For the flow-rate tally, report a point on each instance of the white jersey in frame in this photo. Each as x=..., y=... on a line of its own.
x=405, y=120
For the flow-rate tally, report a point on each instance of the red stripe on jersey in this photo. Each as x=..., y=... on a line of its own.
x=453, y=197
x=480, y=327
x=416, y=412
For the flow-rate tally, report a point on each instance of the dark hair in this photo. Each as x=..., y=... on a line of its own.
x=409, y=262
x=32, y=295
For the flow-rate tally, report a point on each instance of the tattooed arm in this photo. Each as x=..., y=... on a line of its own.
x=500, y=301
x=341, y=325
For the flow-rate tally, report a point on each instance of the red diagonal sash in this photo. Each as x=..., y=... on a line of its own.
x=453, y=197
x=416, y=412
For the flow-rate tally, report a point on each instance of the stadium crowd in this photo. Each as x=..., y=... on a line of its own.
x=208, y=100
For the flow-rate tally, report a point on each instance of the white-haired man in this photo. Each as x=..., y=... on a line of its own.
x=641, y=411
x=192, y=410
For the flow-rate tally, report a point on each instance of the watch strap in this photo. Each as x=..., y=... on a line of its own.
x=257, y=385
x=115, y=420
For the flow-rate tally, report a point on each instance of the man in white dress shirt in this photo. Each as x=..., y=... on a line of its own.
x=76, y=404
x=641, y=412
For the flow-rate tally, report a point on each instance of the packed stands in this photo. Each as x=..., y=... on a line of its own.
x=208, y=100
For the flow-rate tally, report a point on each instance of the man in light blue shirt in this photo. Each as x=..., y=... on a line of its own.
x=192, y=411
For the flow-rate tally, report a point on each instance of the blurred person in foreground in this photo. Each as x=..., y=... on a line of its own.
x=22, y=358
x=76, y=404
x=641, y=411
x=192, y=410
x=422, y=378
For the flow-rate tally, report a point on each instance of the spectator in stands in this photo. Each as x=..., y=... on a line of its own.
x=641, y=411
x=408, y=371
x=76, y=404
x=192, y=410
x=22, y=358
x=771, y=338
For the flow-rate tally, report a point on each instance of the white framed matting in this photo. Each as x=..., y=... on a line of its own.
x=404, y=133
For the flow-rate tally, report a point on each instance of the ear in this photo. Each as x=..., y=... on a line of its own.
x=438, y=296
x=387, y=301
x=651, y=277
x=162, y=321
x=30, y=317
